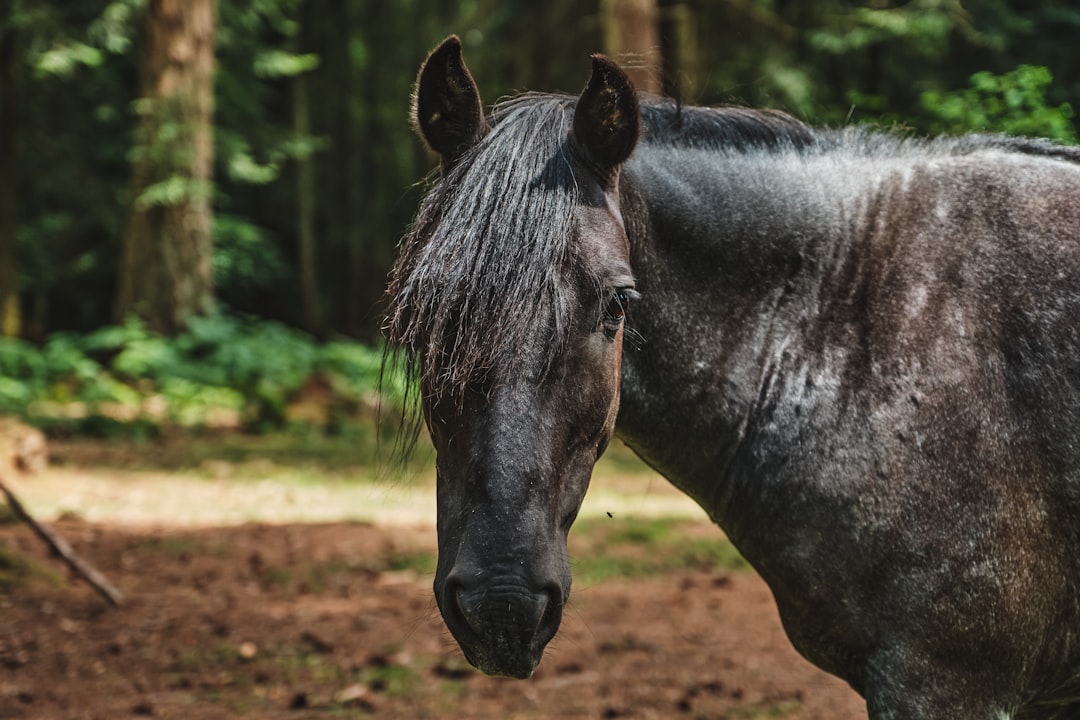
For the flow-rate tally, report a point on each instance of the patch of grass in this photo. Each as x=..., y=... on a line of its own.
x=299, y=448
x=281, y=577
x=421, y=562
x=360, y=450
x=704, y=554
x=645, y=531
x=14, y=569
x=318, y=578
x=454, y=689
x=619, y=459
x=217, y=655
x=17, y=570
x=8, y=516
x=391, y=679
x=603, y=548
x=597, y=569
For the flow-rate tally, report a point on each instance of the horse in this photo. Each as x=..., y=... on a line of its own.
x=857, y=350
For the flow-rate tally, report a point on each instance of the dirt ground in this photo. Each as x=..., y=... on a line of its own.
x=336, y=619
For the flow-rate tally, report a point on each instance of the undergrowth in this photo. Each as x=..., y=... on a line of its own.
x=225, y=370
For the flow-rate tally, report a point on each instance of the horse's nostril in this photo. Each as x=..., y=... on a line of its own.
x=550, y=610
x=500, y=609
x=502, y=623
x=461, y=603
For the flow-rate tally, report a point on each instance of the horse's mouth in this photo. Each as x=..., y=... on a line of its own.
x=499, y=658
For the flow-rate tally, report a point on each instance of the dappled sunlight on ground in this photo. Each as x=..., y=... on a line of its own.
x=98, y=485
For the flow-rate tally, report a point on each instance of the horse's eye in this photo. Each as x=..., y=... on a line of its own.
x=615, y=310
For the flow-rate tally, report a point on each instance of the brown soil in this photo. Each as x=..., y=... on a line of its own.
x=328, y=620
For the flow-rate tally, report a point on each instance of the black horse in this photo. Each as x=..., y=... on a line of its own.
x=860, y=353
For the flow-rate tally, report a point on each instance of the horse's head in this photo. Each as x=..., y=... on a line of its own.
x=509, y=298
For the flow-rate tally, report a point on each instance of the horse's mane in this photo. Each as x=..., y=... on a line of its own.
x=741, y=129
x=737, y=128
x=478, y=271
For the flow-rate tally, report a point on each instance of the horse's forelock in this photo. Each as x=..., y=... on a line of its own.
x=477, y=273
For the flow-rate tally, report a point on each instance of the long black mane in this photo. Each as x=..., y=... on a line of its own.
x=478, y=272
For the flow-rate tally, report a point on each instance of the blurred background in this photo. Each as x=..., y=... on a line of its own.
x=199, y=204
x=179, y=177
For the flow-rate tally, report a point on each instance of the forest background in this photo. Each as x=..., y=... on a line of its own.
x=200, y=199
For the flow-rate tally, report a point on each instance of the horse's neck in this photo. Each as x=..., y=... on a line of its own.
x=724, y=249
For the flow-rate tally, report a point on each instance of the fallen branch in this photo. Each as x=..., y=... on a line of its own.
x=62, y=548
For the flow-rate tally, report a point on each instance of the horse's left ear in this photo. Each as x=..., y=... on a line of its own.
x=607, y=120
x=447, y=111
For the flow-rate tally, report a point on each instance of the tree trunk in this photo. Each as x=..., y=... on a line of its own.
x=367, y=251
x=10, y=101
x=307, y=253
x=682, y=54
x=631, y=38
x=165, y=274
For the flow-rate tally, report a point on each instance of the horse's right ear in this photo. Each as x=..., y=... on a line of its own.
x=446, y=111
x=607, y=120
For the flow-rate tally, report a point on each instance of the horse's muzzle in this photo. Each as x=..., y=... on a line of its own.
x=502, y=625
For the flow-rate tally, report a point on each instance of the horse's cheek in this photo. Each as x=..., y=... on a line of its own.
x=615, y=383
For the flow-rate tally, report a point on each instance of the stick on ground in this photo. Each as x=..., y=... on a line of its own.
x=62, y=548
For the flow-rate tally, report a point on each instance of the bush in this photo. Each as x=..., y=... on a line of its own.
x=223, y=366
x=1014, y=103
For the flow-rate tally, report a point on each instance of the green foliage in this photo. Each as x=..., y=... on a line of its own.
x=173, y=190
x=278, y=63
x=245, y=255
x=223, y=364
x=358, y=370
x=1014, y=102
x=114, y=30
x=62, y=60
x=925, y=22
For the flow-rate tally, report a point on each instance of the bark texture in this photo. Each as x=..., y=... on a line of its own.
x=632, y=38
x=166, y=274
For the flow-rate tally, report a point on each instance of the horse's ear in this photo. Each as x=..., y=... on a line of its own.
x=607, y=120
x=446, y=111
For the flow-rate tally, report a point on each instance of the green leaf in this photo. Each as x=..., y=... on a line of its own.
x=174, y=190
x=63, y=60
x=278, y=63
x=244, y=168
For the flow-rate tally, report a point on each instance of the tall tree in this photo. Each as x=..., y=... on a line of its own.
x=12, y=63
x=679, y=24
x=632, y=36
x=165, y=272
x=307, y=251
